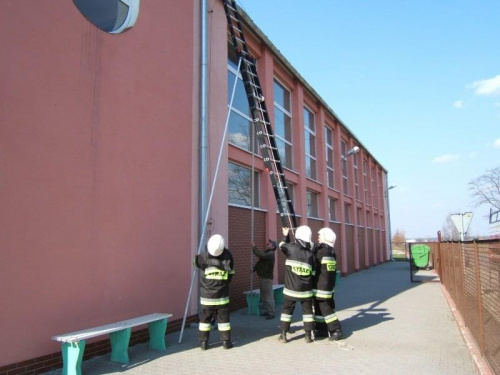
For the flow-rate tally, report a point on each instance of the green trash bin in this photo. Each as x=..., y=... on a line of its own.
x=420, y=255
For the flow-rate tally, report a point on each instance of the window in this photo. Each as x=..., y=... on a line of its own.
x=283, y=124
x=359, y=217
x=240, y=120
x=365, y=181
x=332, y=204
x=373, y=185
x=310, y=144
x=343, y=150
x=356, y=176
x=112, y=16
x=312, y=203
x=347, y=213
x=240, y=186
x=330, y=172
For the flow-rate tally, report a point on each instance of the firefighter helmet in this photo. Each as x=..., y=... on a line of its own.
x=215, y=245
x=303, y=234
x=326, y=235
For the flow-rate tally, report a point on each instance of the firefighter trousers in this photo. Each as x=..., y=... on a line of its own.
x=287, y=312
x=324, y=315
x=221, y=313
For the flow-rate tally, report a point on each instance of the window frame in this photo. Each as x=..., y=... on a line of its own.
x=286, y=160
x=256, y=189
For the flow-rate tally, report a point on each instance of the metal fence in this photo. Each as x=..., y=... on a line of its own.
x=470, y=271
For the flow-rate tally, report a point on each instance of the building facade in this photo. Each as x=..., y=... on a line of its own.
x=100, y=170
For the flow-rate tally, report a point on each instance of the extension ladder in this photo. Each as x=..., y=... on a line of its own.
x=260, y=117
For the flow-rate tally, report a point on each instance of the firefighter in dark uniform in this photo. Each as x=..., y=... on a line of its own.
x=298, y=280
x=217, y=270
x=327, y=322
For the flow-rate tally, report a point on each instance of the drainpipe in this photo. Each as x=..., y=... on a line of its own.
x=203, y=116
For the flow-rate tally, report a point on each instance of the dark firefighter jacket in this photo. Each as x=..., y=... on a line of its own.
x=298, y=272
x=216, y=274
x=326, y=267
x=265, y=265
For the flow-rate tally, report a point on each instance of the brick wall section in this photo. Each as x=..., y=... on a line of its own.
x=349, y=233
x=95, y=349
x=336, y=248
x=369, y=233
x=239, y=243
x=361, y=247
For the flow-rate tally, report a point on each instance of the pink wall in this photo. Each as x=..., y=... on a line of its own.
x=99, y=167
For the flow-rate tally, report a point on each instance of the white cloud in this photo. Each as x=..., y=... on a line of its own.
x=458, y=104
x=489, y=86
x=448, y=158
x=496, y=143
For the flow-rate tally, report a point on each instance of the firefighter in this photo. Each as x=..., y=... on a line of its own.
x=298, y=280
x=217, y=268
x=327, y=322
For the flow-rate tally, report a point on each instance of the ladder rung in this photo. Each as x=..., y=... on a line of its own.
x=260, y=98
x=230, y=6
x=262, y=121
x=234, y=18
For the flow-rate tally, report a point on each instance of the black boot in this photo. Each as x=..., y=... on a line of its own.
x=203, y=345
x=227, y=344
x=308, y=337
x=282, y=337
x=335, y=334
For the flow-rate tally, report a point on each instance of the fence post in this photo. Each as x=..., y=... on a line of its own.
x=438, y=257
x=479, y=297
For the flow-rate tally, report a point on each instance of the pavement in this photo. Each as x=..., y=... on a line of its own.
x=391, y=326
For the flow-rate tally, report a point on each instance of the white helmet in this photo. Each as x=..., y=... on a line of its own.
x=215, y=245
x=303, y=234
x=326, y=235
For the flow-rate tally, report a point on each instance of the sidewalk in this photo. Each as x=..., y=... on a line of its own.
x=391, y=326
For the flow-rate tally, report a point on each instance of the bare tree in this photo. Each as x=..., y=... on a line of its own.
x=486, y=188
x=399, y=240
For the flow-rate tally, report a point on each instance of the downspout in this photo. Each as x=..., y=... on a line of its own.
x=203, y=116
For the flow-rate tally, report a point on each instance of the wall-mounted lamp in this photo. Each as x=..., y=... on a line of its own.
x=352, y=151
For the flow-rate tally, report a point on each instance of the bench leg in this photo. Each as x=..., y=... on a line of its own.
x=253, y=303
x=157, y=332
x=72, y=354
x=278, y=296
x=119, y=345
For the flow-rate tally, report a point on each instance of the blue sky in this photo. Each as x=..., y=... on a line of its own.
x=417, y=82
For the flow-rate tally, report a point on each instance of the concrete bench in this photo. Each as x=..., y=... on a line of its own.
x=253, y=297
x=73, y=343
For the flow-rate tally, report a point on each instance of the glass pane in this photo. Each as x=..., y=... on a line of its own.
x=240, y=101
x=288, y=128
x=328, y=137
x=313, y=169
x=330, y=179
x=239, y=185
x=329, y=158
x=281, y=96
x=307, y=142
x=288, y=150
x=239, y=129
x=279, y=123
x=282, y=151
x=312, y=145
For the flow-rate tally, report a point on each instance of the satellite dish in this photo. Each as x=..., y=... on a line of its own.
x=112, y=16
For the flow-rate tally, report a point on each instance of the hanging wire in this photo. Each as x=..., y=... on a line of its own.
x=202, y=239
x=252, y=240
